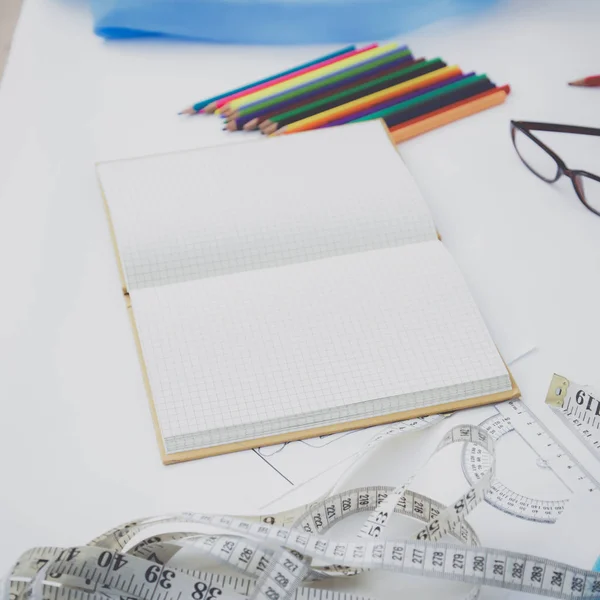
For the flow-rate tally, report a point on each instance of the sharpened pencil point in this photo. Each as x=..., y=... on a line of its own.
x=210, y=108
x=591, y=81
x=272, y=128
x=264, y=128
x=187, y=111
x=250, y=125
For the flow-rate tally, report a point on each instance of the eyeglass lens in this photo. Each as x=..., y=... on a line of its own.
x=535, y=157
x=589, y=190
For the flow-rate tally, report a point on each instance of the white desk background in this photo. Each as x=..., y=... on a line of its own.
x=77, y=448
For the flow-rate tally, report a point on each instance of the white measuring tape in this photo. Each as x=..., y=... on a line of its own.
x=579, y=407
x=274, y=556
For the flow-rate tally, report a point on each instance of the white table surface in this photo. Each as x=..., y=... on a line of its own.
x=77, y=447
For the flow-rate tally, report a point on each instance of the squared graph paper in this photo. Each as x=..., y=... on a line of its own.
x=215, y=211
x=258, y=352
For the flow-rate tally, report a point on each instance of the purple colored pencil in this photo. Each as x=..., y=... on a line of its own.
x=396, y=100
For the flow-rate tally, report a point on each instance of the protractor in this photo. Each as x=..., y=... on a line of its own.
x=542, y=496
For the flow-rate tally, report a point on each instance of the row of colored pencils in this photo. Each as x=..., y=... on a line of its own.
x=412, y=95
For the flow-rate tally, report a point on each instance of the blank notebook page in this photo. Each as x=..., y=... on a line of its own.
x=244, y=349
x=215, y=211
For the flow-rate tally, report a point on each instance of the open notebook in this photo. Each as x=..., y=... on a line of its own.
x=290, y=288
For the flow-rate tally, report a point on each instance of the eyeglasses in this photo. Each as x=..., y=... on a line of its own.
x=547, y=165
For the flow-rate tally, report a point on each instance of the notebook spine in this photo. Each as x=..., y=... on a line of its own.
x=127, y=298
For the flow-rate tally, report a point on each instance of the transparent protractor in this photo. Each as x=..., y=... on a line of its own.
x=541, y=497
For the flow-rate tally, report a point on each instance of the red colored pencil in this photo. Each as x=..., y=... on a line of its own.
x=591, y=81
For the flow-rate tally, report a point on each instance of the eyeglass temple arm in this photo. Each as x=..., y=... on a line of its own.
x=535, y=126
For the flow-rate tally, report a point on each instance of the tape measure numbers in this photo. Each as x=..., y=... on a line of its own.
x=274, y=562
x=579, y=407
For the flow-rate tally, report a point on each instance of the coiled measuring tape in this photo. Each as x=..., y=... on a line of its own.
x=275, y=556
x=579, y=407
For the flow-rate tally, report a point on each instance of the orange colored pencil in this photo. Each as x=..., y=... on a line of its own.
x=361, y=103
x=449, y=114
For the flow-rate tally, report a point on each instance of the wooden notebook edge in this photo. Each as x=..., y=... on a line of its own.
x=293, y=436
x=136, y=337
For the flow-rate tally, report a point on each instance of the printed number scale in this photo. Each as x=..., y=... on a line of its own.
x=579, y=407
x=276, y=555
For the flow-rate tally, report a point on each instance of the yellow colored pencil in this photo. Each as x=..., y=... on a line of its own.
x=324, y=117
x=306, y=77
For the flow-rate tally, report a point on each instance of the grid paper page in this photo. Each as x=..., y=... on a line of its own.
x=215, y=211
x=283, y=342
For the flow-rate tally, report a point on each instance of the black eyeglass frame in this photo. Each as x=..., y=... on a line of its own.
x=526, y=127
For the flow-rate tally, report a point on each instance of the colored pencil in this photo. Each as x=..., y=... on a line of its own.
x=388, y=113
x=340, y=76
x=449, y=114
x=410, y=95
x=259, y=86
x=591, y=81
x=352, y=107
x=324, y=90
x=316, y=74
x=199, y=106
x=394, y=101
x=438, y=100
x=254, y=118
x=359, y=91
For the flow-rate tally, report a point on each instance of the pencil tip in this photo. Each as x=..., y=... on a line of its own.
x=577, y=83
x=269, y=129
x=187, y=111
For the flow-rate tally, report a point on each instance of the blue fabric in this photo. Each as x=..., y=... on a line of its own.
x=272, y=21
